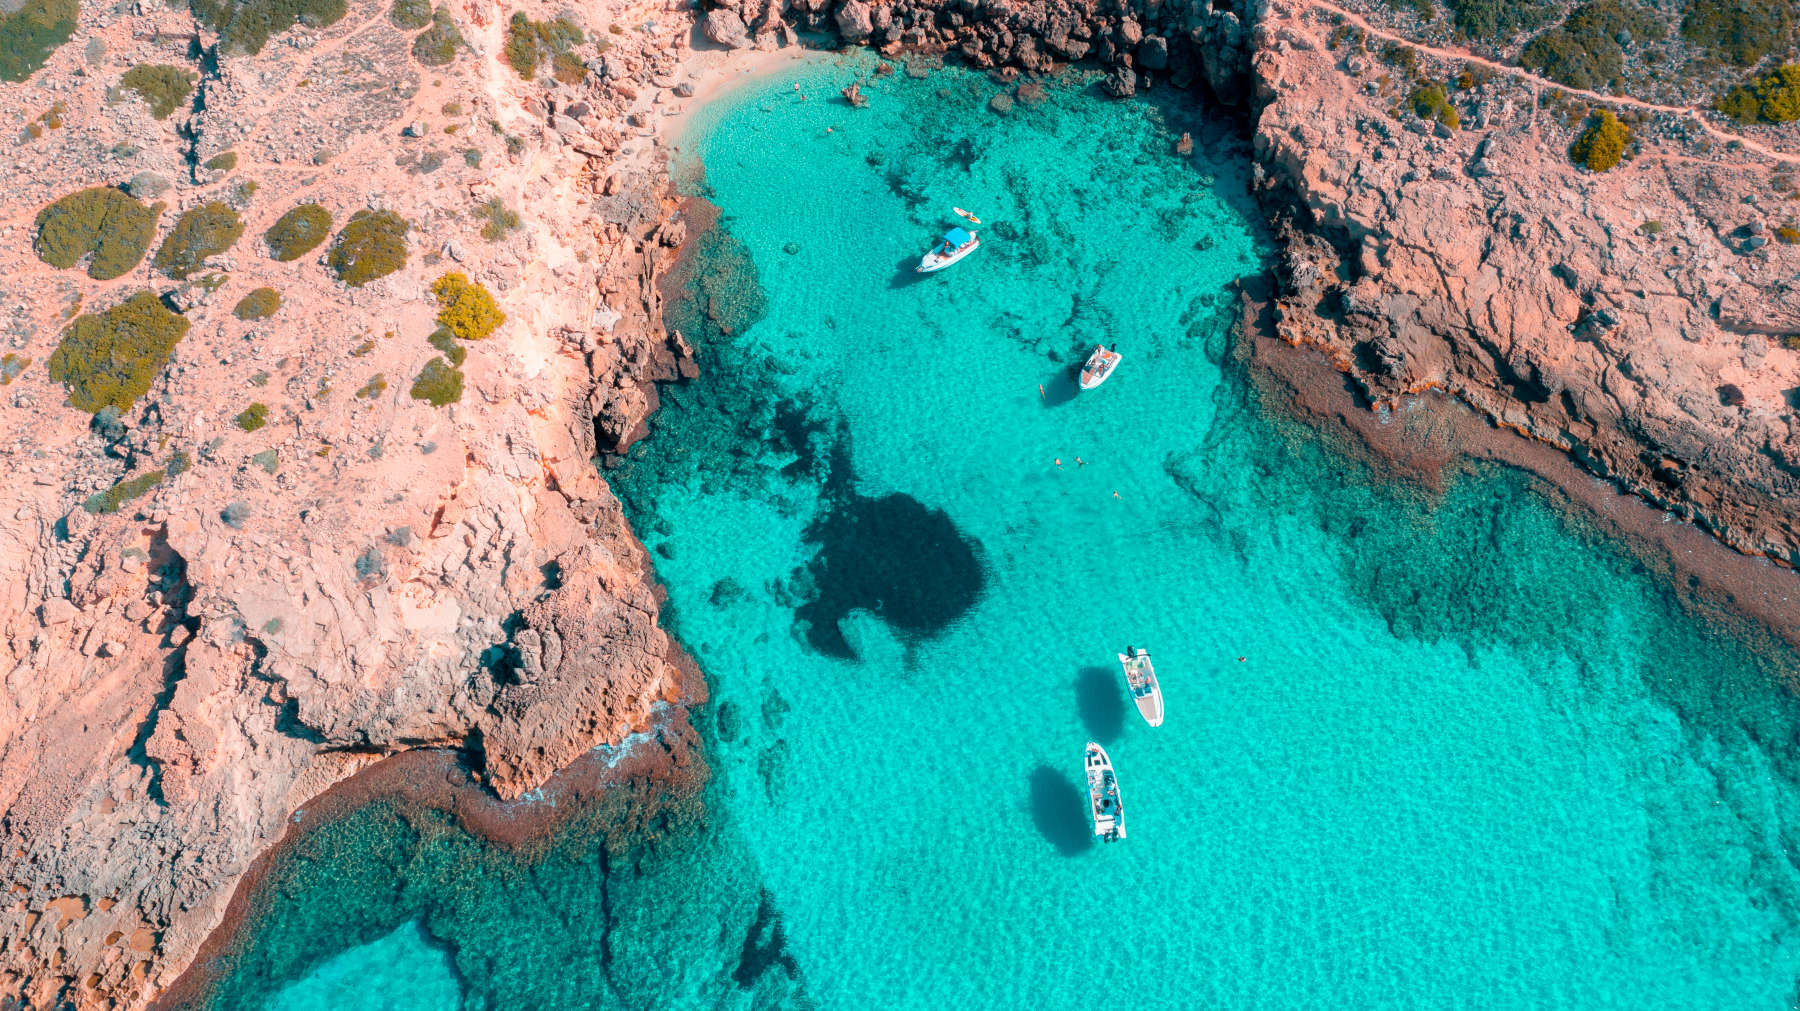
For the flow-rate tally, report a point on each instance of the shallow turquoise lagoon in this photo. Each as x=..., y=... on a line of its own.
x=1421, y=752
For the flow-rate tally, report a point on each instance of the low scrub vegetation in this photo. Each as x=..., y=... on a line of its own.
x=436, y=46
x=113, y=499
x=466, y=309
x=102, y=223
x=1774, y=98
x=372, y=245
x=445, y=341
x=248, y=25
x=253, y=417
x=1741, y=32
x=438, y=383
x=223, y=162
x=259, y=304
x=375, y=387
x=298, y=232
x=499, y=219
x=529, y=43
x=1499, y=20
x=1602, y=145
x=163, y=88
x=111, y=358
x=1433, y=103
x=30, y=32
x=11, y=365
x=1588, y=49
x=410, y=15
x=200, y=232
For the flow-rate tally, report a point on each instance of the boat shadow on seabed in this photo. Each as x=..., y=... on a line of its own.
x=1102, y=706
x=1059, y=810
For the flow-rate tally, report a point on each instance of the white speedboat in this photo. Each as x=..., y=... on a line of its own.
x=1140, y=677
x=956, y=244
x=1099, y=365
x=1103, y=795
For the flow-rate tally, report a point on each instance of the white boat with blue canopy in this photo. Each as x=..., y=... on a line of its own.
x=956, y=244
x=1140, y=678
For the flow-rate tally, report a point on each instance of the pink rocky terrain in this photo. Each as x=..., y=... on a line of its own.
x=1633, y=317
x=186, y=674
x=366, y=573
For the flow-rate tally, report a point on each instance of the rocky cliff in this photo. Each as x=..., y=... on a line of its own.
x=1643, y=318
x=288, y=557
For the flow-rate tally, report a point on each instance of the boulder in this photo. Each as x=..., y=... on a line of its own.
x=725, y=27
x=854, y=21
x=57, y=611
x=1153, y=52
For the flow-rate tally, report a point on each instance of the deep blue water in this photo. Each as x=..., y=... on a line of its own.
x=1446, y=750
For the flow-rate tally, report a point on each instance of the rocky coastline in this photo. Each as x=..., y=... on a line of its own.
x=228, y=677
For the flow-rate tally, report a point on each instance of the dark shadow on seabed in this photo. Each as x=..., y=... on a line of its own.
x=1058, y=809
x=1102, y=703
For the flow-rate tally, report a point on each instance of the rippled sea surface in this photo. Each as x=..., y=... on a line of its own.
x=1421, y=751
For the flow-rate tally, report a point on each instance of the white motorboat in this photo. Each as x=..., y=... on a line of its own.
x=1099, y=366
x=1140, y=677
x=1107, y=805
x=956, y=244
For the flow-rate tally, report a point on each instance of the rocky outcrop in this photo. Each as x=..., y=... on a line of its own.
x=1141, y=44
x=1627, y=317
x=364, y=573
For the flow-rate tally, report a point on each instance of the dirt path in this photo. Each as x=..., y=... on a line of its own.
x=1537, y=82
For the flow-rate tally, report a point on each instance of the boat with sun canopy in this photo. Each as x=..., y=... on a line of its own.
x=956, y=244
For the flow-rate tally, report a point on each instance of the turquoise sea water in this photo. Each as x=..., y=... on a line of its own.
x=1421, y=752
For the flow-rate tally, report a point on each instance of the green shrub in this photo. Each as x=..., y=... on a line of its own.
x=1431, y=102
x=410, y=15
x=568, y=68
x=298, y=232
x=438, y=383
x=1739, y=31
x=375, y=387
x=372, y=245
x=1791, y=342
x=529, y=43
x=113, y=499
x=1602, y=144
x=1788, y=234
x=100, y=221
x=29, y=34
x=436, y=46
x=248, y=24
x=223, y=162
x=466, y=309
x=259, y=304
x=500, y=219
x=445, y=341
x=111, y=358
x=1584, y=51
x=1652, y=227
x=268, y=460
x=253, y=417
x=1497, y=20
x=200, y=232
x=1775, y=98
x=163, y=87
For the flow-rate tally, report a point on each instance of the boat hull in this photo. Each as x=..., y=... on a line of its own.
x=1106, y=804
x=933, y=262
x=1099, y=367
x=1141, y=683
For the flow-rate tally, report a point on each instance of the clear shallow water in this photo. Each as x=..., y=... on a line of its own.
x=1471, y=756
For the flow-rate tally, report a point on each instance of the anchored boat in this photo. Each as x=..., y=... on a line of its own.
x=1140, y=677
x=1099, y=365
x=956, y=244
x=1103, y=795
